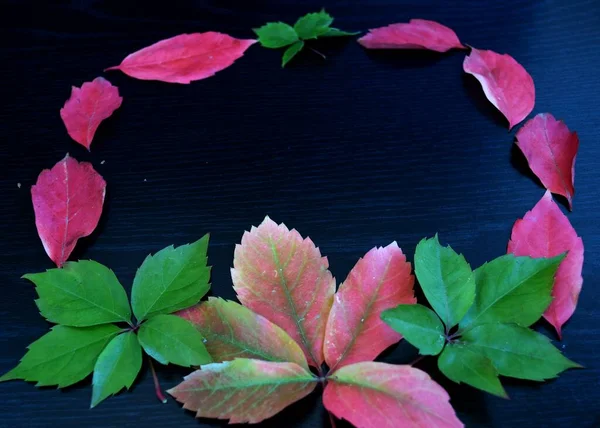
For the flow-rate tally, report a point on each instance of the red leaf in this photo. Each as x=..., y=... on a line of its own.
x=550, y=149
x=546, y=232
x=283, y=277
x=417, y=34
x=67, y=200
x=87, y=107
x=355, y=332
x=184, y=58
x=378, y=395
x=506, y=84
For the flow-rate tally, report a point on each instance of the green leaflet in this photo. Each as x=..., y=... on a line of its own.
x=512, y=290
x=419, y=325
x=291, y=52
x=276, y=35
x=171, y=339
x=334, y=32
x=117, y=367
x=446, y=279
x=460, y=363
x=81, y=294
x=518, y=351
x=63, y=356
x=312, y=25
x=172, y=279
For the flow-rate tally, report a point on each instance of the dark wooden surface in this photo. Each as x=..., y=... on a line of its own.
x=355, y=151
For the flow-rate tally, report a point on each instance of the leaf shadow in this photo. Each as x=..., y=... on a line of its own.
x=409, y=58
x=482, y=104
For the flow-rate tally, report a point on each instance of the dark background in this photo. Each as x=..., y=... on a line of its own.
x=355, y=151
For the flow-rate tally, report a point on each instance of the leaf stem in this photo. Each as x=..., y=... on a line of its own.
x=331, y=419
x=157, y=390
x=317, y=52
x=418, y=359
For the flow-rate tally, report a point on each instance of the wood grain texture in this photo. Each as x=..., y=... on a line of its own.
x=356, y=151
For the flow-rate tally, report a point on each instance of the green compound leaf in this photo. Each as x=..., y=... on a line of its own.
x=312, y=25
x=117, y=367
x=171, y=339
x=81, y=294
x=63, y=356
x=276, y=35
x=171, y=280
x=291, y=52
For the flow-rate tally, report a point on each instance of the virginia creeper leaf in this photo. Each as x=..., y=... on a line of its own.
x=505, y=82
x=355, y=331
x=546, y=232
x=276, y=35
x=171, y=280
x=283, y=277
x=550, y=149
x=243, y=390
x=81, y=294
x=117, y=367
x=171, y=339
x=63, y=356
x=334, y=32
x=87, y=107
x=446, y=279
x=512, y=290
x=419, y=325
x=371, y=394
x=417, y=34
x=518, y=351
x=67, y=201
x=291, y=52
x=312, y=25
x=462, y=364
x=232, y=331
x=184, y=58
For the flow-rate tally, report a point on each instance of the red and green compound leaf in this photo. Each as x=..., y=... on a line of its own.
x=284, y=278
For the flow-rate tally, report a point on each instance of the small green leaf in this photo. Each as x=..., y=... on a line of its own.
x=419, y=325
x=81, y=294
x=512, y=290
x=171, y=339
x=291, y=52
x=459, y=363
x=117, y=367
x=312, y=25
x=171, y=280
x=334, y=32
x=446, y=279
x=518, y=351
x=276, y=35
x=63, y=356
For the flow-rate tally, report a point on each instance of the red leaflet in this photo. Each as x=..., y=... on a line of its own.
x=184, y=58
x=506, y=84
x=67, y=200
x=87, y=107
x=378, y=395
x=355, y=331
x=550, y=149
x=546, y=232
x=417, y=34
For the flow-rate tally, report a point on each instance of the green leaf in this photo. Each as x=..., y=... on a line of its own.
x=518, y=351
x=512, y=290
x=334, y=32
x=117, y=367
x=172, y=279
x=171, y=339
x=419, y=325
x=312, y=25
x=446, y=279
x=291, y=52
x=459, y=363
x=276, y=35
x=63, y=356
x=81, y=294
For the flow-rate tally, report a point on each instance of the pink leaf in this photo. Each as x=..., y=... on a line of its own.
x=355, y=332
x=283, y=277
x=550, y=149
x=87, y=107
x=184, y=58
x=378, y=395
x=546, y=232
x=417, y=34
x=67, y=200
x=506, y=84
